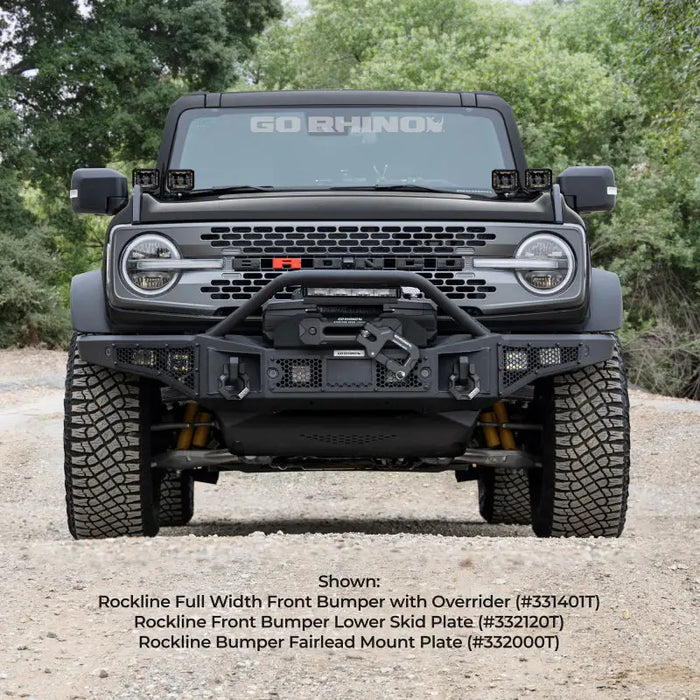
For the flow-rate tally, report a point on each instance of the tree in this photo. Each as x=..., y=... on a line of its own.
x=93, y=81
x=30, y=307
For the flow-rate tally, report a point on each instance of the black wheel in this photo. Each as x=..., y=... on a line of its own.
x=176, y=505
x=582, y=487
x=110, y=490
x=504, y=496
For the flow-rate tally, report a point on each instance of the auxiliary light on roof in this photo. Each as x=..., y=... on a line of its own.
x=180, y=180
x=147, y=178
x=508, y=181
x=504, y=181
x=538, y=180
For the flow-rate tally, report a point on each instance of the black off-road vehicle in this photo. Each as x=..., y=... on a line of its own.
x=346, y=280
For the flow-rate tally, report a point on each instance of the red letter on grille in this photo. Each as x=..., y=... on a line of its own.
x=286, y=263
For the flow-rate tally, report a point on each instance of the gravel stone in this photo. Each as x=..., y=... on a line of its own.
x=277, y=533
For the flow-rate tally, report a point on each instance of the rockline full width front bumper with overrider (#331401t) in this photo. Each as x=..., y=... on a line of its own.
x=361, y=364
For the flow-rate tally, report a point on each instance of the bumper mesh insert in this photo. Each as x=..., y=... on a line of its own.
x=175, y=363
x=519, y=362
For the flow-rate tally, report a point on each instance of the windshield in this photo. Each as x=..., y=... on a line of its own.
x=452, y=149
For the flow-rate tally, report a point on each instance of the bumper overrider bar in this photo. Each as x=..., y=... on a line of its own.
x=475, y=365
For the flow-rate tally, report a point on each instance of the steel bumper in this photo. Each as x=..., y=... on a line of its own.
x=472, y=366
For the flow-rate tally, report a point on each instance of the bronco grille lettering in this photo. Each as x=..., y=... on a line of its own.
x=286, y=263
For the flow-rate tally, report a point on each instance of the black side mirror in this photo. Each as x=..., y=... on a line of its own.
x=98, y=191
x=589, y=188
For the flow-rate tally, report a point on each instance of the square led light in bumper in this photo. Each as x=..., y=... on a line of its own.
x=301, y=374
x=547, y=357
x=515, y=360
x=180, y=361
x=143, y=358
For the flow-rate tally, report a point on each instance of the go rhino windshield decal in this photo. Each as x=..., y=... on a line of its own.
x=347, y=124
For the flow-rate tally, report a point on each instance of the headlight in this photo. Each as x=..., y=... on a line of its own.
x=145, y=266
x=552, y=263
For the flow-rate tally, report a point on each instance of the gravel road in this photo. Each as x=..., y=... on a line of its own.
x=277, y=534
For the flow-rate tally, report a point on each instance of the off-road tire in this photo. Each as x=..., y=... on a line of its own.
x=504, y=496
x=176, y=505
x=581, y=490
x=110, y=489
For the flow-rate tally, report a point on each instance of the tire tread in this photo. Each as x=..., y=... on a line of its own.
x=176, y=505
x=104, y=476
x=504, y=497
x=591, y=435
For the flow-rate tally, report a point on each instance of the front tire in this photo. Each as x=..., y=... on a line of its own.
x=110, y=490
x=581, y=490
x=176, y=505
x=504, y=496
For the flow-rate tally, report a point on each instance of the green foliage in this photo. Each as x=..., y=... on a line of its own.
x=104, y=76
x=665, y=51
x=30, y=306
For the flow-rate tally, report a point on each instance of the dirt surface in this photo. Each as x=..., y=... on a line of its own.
x=276, y=534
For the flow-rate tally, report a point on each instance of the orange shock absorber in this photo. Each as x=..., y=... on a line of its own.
x=506, y=434
x=201, y=432
x=490, y=433
x=184, y=439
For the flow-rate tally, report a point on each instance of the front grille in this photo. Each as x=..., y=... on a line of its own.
x=432, y=250
x=166, y=363
x=413, y=239
x=453, y=286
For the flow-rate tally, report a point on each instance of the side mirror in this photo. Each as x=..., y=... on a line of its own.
x=98, y=191
x=589, y=188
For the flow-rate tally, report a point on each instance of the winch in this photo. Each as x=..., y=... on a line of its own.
x=351, y=317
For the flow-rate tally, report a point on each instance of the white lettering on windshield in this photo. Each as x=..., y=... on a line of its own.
x=352, y=124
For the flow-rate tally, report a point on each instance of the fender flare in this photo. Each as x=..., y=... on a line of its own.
x=605, y=305
x=88, y=309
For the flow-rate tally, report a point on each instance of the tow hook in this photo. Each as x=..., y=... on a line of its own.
x=233, y=382
x=464, y=381
x=374, y=338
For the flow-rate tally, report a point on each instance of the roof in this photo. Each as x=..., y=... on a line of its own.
x=340, y=97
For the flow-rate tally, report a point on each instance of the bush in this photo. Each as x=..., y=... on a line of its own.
x=30, y=307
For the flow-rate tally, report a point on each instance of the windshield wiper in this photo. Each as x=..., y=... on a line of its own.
x=390, y=188
x=227, y=189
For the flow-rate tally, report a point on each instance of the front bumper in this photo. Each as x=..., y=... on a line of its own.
x=466, y=370
x=457, y=370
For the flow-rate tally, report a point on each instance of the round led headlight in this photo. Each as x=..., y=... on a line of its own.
x=145, y=266
x=552, y=263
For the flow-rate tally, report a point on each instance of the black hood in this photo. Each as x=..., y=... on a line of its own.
x=350, y=206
